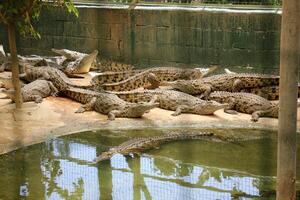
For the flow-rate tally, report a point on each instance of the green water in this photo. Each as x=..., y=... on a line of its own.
x=60, y=169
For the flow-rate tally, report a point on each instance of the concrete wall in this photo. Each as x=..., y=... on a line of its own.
x=162, y=35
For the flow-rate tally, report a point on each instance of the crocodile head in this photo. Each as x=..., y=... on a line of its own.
x=137, y=110
x=86, y=62
x=207, y=107
x=191, y=74
x=152, y=78
x=189, y=86
x=105, y=155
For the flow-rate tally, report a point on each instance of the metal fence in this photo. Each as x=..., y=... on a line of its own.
x=196, y=2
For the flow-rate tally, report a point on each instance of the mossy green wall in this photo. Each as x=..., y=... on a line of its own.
x=163, y=36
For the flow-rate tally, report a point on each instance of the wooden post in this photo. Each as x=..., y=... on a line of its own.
x=14, y=64
x=289, y=62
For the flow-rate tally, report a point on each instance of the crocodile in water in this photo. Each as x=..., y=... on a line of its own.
x=248, y=103
x=34, y=91
x=138, y=145
x=106, y=103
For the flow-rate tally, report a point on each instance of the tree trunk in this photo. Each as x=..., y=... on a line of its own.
x=288, y=94
x=14, y=64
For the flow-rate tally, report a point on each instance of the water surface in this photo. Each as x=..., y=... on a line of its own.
x=60, y=169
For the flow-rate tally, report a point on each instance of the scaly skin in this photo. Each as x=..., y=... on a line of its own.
x=7, y=83
x=103, y=66
x=268, y=92
x=57, y=77
x=112, y=66
x=224, y=82
x=162, y=74
x=70, y=62
x=106, y=103
x=173, y=100
x=34, y=91
x=113, y=77
x=246, y=103
x=81, y=65
x=141, y=79
x=138, y=145
x=69, y=54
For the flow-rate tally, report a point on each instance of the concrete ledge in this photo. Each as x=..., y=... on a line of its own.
x=188, y=7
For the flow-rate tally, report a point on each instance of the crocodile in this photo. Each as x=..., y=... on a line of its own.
x=248, y=103
x=68, y=54
x=113, y=77
x=112, y=66
x=6, y=82
x=173, y=100
x=3, y=57
x=141, y=144
x=141, y=79
x=80, y=65
x=224, y=82
x=57, y=77
x=76, y=62
x=34, y=91
x=162, y=73
x=107, y=103
x=268, y=92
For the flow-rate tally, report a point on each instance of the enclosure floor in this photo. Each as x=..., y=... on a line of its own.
x=55, y=116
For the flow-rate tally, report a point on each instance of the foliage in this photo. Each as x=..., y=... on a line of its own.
x=23, y=12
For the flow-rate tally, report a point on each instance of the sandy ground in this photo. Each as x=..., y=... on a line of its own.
x=55, y=116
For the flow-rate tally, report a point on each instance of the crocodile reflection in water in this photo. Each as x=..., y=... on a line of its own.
x=60, y=165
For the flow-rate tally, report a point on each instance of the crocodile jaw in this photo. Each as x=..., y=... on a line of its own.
x=86, y=62
x=104, y=156
x=139, y=109
x=209, y=107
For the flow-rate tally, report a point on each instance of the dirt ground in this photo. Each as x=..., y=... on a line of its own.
x=55, y=116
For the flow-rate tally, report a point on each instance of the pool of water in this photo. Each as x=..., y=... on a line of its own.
x=61, y=168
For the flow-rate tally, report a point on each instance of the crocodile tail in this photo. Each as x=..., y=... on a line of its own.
x=87, y=87
x=112, y=77
x=210, y=70
x=134, y=82
x=134, y=96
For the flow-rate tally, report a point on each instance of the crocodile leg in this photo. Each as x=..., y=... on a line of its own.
x=260, y=113
x=38, y=99
x=207, y=90
x=35, y=98
x=112, y=114
x=87, y=107
x=237, y=85
x=179, y=110
x=230, y=108
x=154, y=99
x=154, y=82
x=54, y=90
